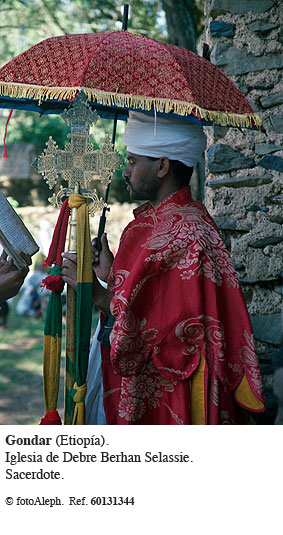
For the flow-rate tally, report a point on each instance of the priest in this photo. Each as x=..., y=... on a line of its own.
x=176, y=340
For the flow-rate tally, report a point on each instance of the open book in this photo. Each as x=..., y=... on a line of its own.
x=14, y=235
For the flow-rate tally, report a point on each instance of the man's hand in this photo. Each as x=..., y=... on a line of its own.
x=101, y=296
x=69, y=269
x=102, y=260
x=11, y=278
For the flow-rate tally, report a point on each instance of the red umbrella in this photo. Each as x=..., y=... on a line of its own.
x=123, y=71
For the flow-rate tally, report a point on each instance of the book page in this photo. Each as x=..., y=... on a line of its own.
x=9, y=249
x=13, y=231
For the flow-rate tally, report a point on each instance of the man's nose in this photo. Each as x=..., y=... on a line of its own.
x=126, y=173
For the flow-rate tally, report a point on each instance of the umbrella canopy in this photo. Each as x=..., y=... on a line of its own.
x=123, y=71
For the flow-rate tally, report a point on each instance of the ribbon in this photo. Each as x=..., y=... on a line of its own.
x=84, y=302
x=79, y=394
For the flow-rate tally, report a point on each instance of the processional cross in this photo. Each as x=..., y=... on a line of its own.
x=79, y=163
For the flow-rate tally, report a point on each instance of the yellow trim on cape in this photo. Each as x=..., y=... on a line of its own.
x=106, y=98
x=242, y=394
x=198, y=394
x=245, y=397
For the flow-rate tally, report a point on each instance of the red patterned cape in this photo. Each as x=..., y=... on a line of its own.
x=182, y=347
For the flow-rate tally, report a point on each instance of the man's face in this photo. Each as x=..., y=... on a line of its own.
x=140, y=175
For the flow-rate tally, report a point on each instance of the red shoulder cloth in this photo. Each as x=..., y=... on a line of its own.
x=177, y=297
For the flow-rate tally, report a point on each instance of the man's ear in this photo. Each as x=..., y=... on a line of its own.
x=163, y=167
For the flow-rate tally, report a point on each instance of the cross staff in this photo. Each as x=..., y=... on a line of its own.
x=77, y=164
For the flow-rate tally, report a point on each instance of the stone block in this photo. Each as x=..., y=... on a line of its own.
x=260, y=264
x=227, y=223
x=277, y=122
x=256, y=208
x=223, y=158
x=264, y=85
x=255, y=106
x=272, y=100
x=220, y=131
x=278, y=387
x=233, y=61
x=264, y=242
x=266, y=148
x=269, y=416
x=240, y=7
x=268, y=328
x=244, y=88
x=264, y=301
x=261, y=27
x=274, y=163
x=218, y=28
x=277, y=199
x=278, y=359
x=279, y=290
x=224, y=201
x=240, y=182
x=277, y=218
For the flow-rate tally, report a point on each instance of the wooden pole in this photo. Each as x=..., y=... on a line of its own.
x=70, y=368
x=102, y=221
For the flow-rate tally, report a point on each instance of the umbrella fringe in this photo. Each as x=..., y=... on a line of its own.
x=144, y=103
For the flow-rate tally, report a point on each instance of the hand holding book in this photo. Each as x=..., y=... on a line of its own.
x=14, y=235
x=18, y=245
x=11, y=278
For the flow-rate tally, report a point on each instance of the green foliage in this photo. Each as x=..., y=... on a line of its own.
x=26, y=22
x=13, y=202
x=29, y=127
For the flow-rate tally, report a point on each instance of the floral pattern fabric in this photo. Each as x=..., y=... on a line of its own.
x=177, y=298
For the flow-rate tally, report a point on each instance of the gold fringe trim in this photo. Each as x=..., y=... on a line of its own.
x=160, y=105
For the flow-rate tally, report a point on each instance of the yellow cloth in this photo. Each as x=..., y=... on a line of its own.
x=242, y=394
x=51, y=371
x=198, y=394
x=79, y=394
x=84, y=299
x=245, y=397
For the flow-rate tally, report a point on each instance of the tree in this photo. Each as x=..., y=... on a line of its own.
x=24, y=23
x=184, y=22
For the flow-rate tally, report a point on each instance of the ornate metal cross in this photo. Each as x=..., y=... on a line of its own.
x=79, y=162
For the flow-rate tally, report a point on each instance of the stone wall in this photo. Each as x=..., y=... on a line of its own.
x=243, y=188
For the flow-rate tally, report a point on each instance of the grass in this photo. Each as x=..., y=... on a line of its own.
x=21, y=384
x=21, y=349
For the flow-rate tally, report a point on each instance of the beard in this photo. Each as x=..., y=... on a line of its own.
x=144, y=192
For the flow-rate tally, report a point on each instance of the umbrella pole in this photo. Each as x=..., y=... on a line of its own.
x=125, y=17
x=102, y=220
x=70, y=368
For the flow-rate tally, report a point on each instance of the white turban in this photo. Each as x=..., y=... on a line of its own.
x=175, y=139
